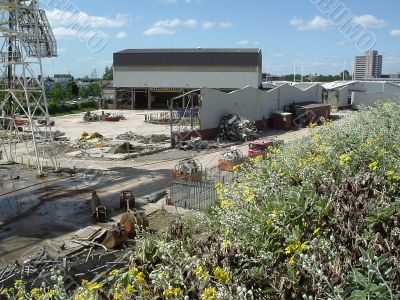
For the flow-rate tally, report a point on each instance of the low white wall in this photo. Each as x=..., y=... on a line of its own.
x=251, y=103
x=370, y=99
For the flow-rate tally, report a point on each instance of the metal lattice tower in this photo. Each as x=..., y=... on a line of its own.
x=25, y=38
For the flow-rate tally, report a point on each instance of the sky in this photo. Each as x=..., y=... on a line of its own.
x=310, y=36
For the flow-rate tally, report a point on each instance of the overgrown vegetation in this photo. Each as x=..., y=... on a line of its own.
x=319, y=219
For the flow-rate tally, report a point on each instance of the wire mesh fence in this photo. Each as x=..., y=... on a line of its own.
x=200, y=195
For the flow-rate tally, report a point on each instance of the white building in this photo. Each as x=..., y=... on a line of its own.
x=147, y=78
x=357, y=93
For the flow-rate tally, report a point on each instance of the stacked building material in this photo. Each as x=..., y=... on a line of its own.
x=236, y=128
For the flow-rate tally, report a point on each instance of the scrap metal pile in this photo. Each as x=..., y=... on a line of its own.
x=87, y=255
x=236, y=128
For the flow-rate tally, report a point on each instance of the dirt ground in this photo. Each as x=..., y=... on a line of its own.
x=74, y=125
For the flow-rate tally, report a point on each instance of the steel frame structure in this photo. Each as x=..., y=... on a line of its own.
x=26, y=38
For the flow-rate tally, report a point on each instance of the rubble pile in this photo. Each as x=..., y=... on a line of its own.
x=93, y=117
x=236, y=128
x=154, y=138
x=196, y=143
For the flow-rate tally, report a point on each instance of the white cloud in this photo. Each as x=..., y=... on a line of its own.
x=65, y=33
x=158, y=31
x=246, y=43
x=166, y=26
x=225, y=24
x=370, y=21
x=122, y=35
x=208, y=25
x=168, y=1
x=83, y=20
x=243, y=42
x=315, y=24
x=341, y=43
x=395, y=32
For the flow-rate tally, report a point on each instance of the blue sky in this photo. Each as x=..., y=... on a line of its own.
x=306, y=33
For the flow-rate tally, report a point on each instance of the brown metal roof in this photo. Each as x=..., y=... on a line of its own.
x=189, y=57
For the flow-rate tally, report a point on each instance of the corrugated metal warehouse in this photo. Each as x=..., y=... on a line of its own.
x=147, y=78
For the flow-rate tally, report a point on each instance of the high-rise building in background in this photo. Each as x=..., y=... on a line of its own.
x=368, y=65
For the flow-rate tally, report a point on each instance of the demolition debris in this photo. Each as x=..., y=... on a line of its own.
x=236, y=128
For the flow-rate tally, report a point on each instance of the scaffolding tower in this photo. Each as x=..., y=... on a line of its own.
x=25, y=38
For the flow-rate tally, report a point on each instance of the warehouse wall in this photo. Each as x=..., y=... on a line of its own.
x=370, y=99
x=182, y=79
x=251, y=103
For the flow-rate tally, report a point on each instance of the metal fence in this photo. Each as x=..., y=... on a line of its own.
x=199, y=195
x=193, y=195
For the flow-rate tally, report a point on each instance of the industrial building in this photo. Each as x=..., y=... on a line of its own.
x=148, y=78
x=368, y=65
x=358, y=93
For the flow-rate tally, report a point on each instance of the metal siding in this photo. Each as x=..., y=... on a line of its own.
x=219, y=80
x=222, y=57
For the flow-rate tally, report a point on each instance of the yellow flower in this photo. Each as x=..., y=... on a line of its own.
x=373, y=166
x=133, y=271
x=237, y=167
x=130, y=288
x=4, y=291
x=269, y=223
x=35, y=293
x=221, y=275
x=115, y=272
x=344, y=159
x=226, y=204
x=146, y=292
x=205, y=276
x=292, y=260
x=177, y=291
x=18, y=283
x=52, y=293
x=316, y=230
x=117, y=296
x=227, y=233
x=391, y=172
x=80, y=297
x=198, y=271
x=140, y=277
x=209, y=294
x=95, y=286
x=227, y=244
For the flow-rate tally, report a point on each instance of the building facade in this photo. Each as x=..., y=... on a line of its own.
x=147, y=78
x=368, y=65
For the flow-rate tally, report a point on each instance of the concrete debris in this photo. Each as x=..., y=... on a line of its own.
x=123, y=148
x=196, y=143
x=154, y=138
x=236, y=128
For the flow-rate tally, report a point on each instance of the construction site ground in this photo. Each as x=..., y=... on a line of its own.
x=60, y=204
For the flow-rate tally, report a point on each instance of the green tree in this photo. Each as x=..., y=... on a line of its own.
x=71, y=90
x=96, y=89
x=108, y=73
x=84, y=92
x=346, y=75
x=57, y=94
